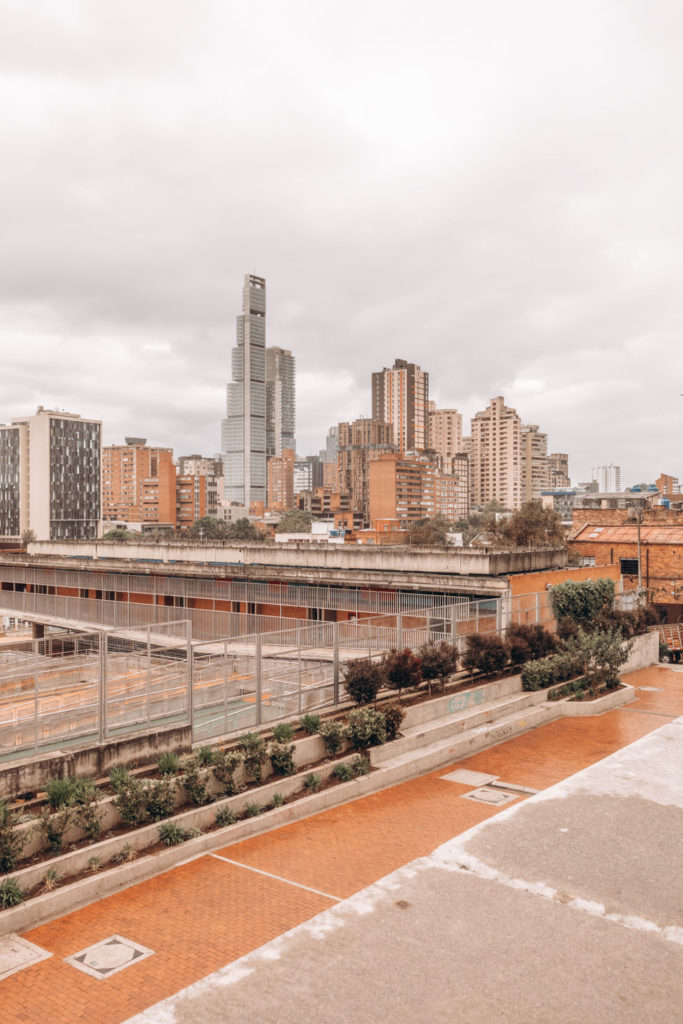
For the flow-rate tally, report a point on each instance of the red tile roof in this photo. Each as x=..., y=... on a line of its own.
x=629, y=534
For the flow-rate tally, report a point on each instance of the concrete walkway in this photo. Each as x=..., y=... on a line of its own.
x=418, y=902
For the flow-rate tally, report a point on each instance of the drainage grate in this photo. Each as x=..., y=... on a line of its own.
x=109, y=956
x=16, y=953
x=489, y=795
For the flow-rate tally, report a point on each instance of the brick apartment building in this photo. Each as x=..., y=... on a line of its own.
x=408, y=487
x=281, y=481
x=609, y=537
x=191, y=500
x=359, y=443
x=138, y=483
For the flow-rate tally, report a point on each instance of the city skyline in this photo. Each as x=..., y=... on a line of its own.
x=461, y=197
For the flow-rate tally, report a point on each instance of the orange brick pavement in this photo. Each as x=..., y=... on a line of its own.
x=207, y=913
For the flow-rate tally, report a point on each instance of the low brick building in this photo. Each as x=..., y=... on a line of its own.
x=610, y=537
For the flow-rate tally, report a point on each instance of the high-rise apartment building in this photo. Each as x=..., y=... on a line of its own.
x=50, y=467
x=281, y=481
x=138, y=483
x=328, y=457
x=400, y=397
x=608, y=478
x=358, y=444
x=535, y=465
x=190, y=499
x=495, y=456
x=559, y=470
x=212, y=469
x=445, y=433
x=280, y=401
x=410, y=487
x=244, y=428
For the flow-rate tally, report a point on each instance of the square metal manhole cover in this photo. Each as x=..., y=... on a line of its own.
x=16, y=953
x=649, y=689
x=109, y=956
x=467, y=778
x=488, y=795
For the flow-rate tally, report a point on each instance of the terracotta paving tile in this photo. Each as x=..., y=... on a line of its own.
x=196, y=918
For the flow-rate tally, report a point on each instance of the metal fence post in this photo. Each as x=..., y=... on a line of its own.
x=399, y=631
x=454, y=624
x=103, y=687
x=149, y=669
x=538, y=607
x=190, y=694
x=335, y=663
x=258, y=679
x=225, y=683
x=36, y=715
x=476, y=616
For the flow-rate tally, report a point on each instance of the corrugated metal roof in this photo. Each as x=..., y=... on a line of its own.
x=629, y=534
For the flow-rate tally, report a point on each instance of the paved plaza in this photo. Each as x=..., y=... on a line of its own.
x=415, y=903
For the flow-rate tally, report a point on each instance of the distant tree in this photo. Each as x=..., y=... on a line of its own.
x=243, y=530
x=430, y=532
x=207, y=528
x=121, y=534
x=531, y=526
x=28, y=537
x=295, y=521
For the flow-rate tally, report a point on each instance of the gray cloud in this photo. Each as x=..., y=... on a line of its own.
x=490, y=190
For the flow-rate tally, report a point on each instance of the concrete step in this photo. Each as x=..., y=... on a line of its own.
x=418, y=760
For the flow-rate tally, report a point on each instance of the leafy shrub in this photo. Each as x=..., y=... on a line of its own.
x=566, y=628
x=283, y=732
x=169, y=763
x=333, y=735
x=53, y=826
x=311, y=724
x=312, y=782
x=255, y=755
x=252, y=810
x=537, y=675
x=278, y=800
x=526, y=642
x=172, y=834
x=393, y=716
x=486, y=652
x=131, y=801
x=126, y=853
x=161, y=799
x=360, y=765
x=582, y=601
x=86, y=815
x=575, y=689
x=402, y=669
x=206, y=756
x=12, y=841
x=225, y=817
x=438, y=661
x=367, y=727
x=598, y=656
x=11, y=893
x=363, y=679
x=60, y=793
x=118, y=777
x=282, y=758
x=193, y=832
x=225, y=765
x=94, y=863
x=343, y=771
x=195, y=782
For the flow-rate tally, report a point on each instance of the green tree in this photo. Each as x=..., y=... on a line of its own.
x=430, y=532
x=295, y=521
x=582, y=601
x=598, y=656
x=438, y=661
x=531, y=526
x=208, y=528
x=402, y=669
x=121, y=534
x=363, y=679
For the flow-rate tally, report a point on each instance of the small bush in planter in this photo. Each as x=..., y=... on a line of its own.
x=172, y=834
x=206, y=756
x=333, y=735
x=252, y=810
x=310, y=724
x=312, y=782
x=225, y=765
x=361, y=765
x=11, y=893
x=118, y=777
x=343, y=771
x=12, y=841
x=195, y=782
x=363, y=679
x=402, y=670
x=528, y=641
x=282, y=758
x=169, y=763
x=278, y=800
x=225, y=817
x=283, y=732
x=367, y=727
x=255, y=755
x=131, y=801
x=60, y=793
x=53, y=826
x=161, y=799
x=393, y=716
x=486, y=652
x=537, y=675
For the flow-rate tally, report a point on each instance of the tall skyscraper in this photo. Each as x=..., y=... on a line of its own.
x=280, y=401
x=244, y=428
x=400, y=397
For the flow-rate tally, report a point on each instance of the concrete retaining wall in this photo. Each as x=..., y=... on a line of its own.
x=645, y=652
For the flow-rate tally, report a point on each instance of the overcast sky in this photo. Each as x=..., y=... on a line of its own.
x=491, y=189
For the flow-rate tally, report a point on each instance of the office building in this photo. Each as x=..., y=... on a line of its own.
x=280, y=401
x=400, y=397
x=50, y=466
x=244, y=428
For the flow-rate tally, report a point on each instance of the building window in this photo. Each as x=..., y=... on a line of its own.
x=628, y=566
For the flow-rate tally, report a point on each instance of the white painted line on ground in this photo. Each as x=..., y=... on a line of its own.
x=278, y=878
